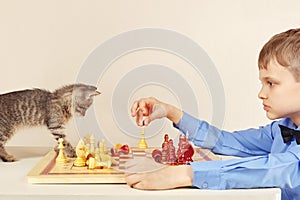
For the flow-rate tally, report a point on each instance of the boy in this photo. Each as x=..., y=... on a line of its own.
x=270, y=154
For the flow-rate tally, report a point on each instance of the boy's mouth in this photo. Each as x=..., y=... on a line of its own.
x=266, y=107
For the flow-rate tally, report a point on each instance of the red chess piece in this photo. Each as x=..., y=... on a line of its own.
x=166, y=141
x=157, y=155
x=165, y=153
x=172, y=156
x=125, y=149
x=185, y=150
x=189, y=154
x=186, y=156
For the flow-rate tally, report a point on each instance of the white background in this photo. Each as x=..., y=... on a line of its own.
x=44, y=43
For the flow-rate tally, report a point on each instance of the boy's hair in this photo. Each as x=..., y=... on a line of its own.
x=285, y=49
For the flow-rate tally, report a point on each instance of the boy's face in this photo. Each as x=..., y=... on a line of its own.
x=280, y=92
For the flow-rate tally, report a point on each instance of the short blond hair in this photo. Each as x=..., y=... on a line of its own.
x=285, y=49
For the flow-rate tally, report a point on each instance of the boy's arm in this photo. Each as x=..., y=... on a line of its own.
x=250, y=142
x=273, y=170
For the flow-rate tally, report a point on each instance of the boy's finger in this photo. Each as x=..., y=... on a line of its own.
x=147, y=121
x=134, y=108
x=139, y=117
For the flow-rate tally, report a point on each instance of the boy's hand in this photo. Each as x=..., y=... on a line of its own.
x=168, y=177
x=148, y=109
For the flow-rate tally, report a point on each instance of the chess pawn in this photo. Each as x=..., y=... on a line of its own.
x=81, y=154
x=61, y=158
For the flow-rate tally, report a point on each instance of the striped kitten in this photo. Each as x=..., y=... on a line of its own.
x=40, y=107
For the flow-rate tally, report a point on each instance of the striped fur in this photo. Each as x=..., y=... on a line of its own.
x=37, y=107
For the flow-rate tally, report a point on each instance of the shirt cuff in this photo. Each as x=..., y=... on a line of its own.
x=207, y=175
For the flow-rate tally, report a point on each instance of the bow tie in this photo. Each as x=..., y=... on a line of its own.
x=288, y=134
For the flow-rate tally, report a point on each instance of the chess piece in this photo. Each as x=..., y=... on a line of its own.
x=95, y=164
x=172, y=156
x=92, y=145
x=189, y=154
x=165, y=154
x=91, y=163
x=86, y=139
x=61, y=158
x=185, y=151
x=166, y=140
x=105, y=160
x=102, y=155
x=142, y=144
x=181, y=144
x=103, y=144
x=119, y=149
x=81, y=154
x=97, y=154
x=124, y=149
x=87, y=142
x=157, y=155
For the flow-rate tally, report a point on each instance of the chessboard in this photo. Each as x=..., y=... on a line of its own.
x=48, y=171
x=94, y=163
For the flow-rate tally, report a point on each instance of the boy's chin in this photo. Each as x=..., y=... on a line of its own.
x=272, y=116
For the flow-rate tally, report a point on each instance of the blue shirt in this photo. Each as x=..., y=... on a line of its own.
x=266, y=161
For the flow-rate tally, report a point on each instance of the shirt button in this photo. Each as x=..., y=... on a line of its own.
x=204, y=185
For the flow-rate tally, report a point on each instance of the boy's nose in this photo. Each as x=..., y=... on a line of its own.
x=262, y=94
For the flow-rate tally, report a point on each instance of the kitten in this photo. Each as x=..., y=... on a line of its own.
x=40, y=107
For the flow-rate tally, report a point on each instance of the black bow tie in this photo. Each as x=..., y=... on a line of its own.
x=288, y=134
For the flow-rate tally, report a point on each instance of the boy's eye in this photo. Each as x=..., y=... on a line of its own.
x=270, y=83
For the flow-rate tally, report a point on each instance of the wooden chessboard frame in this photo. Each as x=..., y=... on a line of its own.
x=38, y=174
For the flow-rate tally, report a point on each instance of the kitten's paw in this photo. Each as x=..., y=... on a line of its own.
x=8, y=158
x=70, y=152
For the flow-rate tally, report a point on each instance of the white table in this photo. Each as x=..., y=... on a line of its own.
x=14, y=186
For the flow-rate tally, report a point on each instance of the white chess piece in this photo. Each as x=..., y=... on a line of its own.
x=61, y=158
x=81, y=154
x=92, y=145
